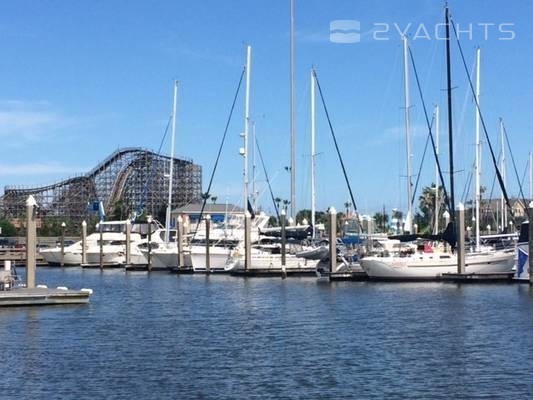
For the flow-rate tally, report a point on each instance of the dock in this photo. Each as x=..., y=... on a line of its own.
x=41, y=296
x=496, y=277
x=182, y=270
x=270, y=272
x=354, y=276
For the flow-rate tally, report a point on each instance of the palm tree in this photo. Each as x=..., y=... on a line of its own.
x=382, y=219
x=426, y=204
x=214, y=199
x=347, y=205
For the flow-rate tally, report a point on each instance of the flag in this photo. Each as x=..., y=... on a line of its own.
x=522, y=261
x=251, y=209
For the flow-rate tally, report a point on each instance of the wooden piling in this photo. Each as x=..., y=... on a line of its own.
x=179, y=239
x=128, y=243
x=149, y=220
x=101, y=230
x=63, y=225
x=31, y=241
x=207, y=248
x=247, y=241
x=283, y=219
x=460, y=218
x=84, y=242
x=332, y=240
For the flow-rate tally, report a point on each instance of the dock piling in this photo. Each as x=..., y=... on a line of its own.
x=247, y=240
x=63, y=226
x=84, y=242
x=332, y=240
x=207, y=254
x=283, y=219
x=101, y=241
x=31, y=241
x=460, y=218
x=179, y=240
x=128, y=243
x=149, y=220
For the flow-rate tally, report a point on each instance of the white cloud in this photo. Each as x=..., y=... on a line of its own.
x=30, y=121
x=32, y=169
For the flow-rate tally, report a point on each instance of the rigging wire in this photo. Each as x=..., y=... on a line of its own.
x=498, y=174
x=267, y=178
x=337, y=147
x=514, y=164
x=441, y=176
x=421, y=164
x=206, y=195
x=152, y=169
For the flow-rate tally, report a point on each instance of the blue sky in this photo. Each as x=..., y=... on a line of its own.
x=80, y=79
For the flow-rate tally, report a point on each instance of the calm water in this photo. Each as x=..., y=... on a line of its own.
x=179, y=337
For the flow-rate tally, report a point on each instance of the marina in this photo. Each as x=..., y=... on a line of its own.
x=227, y=201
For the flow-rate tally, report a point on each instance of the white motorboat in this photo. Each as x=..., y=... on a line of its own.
x=71, y=256
x=222, y=243
x=114, y=244
x=268, y=262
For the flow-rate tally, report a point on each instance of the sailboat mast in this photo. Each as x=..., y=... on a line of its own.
x=450, y=115
x=437, y=200
x=292, y=110
x=313, y=152
x=409, y=217
x=504, y=175
x=247, y=123
x=171, y=172
x=254, y=194
x=530, y=176
x=478, y=147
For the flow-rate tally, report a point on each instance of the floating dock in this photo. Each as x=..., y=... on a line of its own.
x=182, y=270
x=105, y=266
x=41, y=296
x=269, y=272
x=356, y=276
x=496, y=277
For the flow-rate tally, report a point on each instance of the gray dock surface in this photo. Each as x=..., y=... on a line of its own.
x=42, y=296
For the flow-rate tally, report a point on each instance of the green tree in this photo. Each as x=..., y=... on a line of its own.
x=426, y=204
x=8, y=229
x=119, y=211
x=303, y=214
x=382, y=221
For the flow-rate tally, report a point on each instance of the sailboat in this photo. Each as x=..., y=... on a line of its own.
x=432, y=265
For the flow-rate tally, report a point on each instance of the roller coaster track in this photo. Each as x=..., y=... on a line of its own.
x=123, y=176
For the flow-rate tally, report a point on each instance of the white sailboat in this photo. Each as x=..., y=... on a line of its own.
x=432, y=265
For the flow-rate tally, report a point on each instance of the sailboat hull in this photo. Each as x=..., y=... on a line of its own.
x=432, y=267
